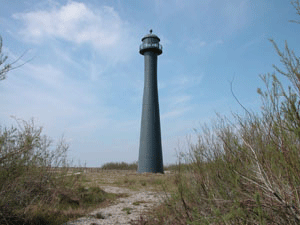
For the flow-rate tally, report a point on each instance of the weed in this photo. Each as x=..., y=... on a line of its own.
x=129, y=181
x=99, y=215
x=37, y=185
x=119, y=166
x=127, y=210
x=143, y=183
x=138, y=203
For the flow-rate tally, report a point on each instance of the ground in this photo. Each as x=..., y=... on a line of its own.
x=141, y=192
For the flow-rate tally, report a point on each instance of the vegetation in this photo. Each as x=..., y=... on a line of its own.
x=120, y=166
x=148, y=181
x=127, y=210
x=131, y=166
x=36, y=183
x=5, y=67
x=245, y=171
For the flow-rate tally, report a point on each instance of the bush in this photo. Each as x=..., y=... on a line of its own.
x=29, y=174
x=119, y=166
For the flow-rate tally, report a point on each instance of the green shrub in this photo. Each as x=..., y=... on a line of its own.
x=33, y=173
x=119, y=166
x=93, y=195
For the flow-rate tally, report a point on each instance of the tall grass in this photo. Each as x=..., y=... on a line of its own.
x=36, y=186
x=119, y=166
x=131, y=166
x=245, y=170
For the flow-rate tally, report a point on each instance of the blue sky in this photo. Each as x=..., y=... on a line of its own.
x=85, y=79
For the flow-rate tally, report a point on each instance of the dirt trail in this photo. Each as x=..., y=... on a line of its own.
x=125, y=209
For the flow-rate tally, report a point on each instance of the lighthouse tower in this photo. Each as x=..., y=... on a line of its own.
x=150, y=151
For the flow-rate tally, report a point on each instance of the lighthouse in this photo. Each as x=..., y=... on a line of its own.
x=150, y=149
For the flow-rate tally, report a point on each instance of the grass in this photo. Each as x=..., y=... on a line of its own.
x=99, y=215
x=157, y=182
x=37, y=184
x=138, y=203
x=131, y=166
x=127, y=210
x=131, y=179
x=119, y=166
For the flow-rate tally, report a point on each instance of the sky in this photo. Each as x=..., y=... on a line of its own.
x=83, y=76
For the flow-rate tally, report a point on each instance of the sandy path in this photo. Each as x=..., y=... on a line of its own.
x=136, y=203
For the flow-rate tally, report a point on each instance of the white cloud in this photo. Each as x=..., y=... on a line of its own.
x=175, y=113
x=75, y=22
x=179, y=100
x=47, y=93
x=178, y=103
x=194, y=45
x=67, y=58
x=252, y=43
x=176, y=106
x=185, y=82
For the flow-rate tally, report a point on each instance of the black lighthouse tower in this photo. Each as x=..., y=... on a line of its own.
x=150, y=151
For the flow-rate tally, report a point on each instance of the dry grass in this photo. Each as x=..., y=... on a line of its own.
x=131, y=179
x=37, y=185
x=120, y=166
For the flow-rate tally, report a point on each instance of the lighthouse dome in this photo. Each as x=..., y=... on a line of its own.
x=151, y=36
x=150, y=43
